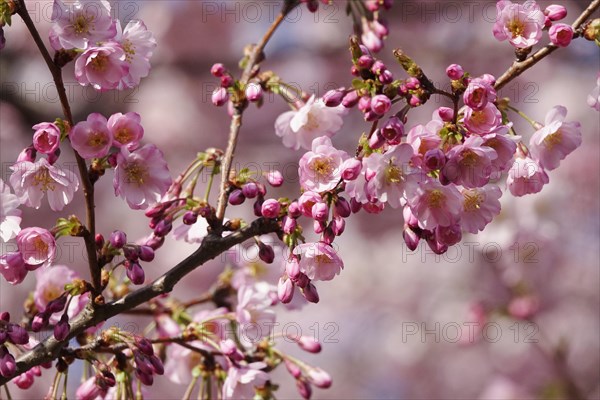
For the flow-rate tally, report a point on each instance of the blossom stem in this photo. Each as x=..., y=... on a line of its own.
x=8, y=396
x=209, y=185
x=523, y=115
x=190, y=388
x=236, y=119
x=88, y=188
x=518, y=67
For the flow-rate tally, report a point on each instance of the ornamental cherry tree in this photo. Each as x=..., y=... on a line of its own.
x=444, y=175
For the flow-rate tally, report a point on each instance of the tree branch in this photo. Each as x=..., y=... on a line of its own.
x=88, y=188
x=518, y=67
x=212, y=246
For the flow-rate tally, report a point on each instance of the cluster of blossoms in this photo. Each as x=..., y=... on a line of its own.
x=108, y=56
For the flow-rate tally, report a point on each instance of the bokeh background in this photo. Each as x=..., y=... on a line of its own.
x=392, y=322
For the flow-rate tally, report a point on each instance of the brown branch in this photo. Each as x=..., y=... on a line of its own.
x=88, y=188
x=236, y=120
x=212, y=246
x=518, y=67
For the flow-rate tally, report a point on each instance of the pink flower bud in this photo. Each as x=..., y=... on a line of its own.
x=143, y=364
x=414, y=101
x=355, y=206
x=310, y=293
x=319, y=378
x=40, y=321
x=270, y=208
x=378, y=67
x=333, y=98
x=46, y=138
x=62, y=328
x=350, y=99
x=135, y=273
x=380, y=104
x=145, y=253
x=338, y=225
x=448, y=235
x=454, y=71
x=144, y=345
x=307, y=200
x=523, y=307
x=342, y=207
x=409, y=217
x=293, y=368
x=250, y=190
x=88, y=390
x=412, y=83
x=320, y=211
x=292, y=267
x=386, y=77
x=28, y=154
x=220, y=96
x=229, y=348
x=435, y=246
x=254, y=92
x=434, y=159
x=118, y=239
x=294, y=209
x=351, y=169
x=226, y=80
x=301, y=280
x=155, y=242
x=365, y=62
x=376, y=140
x=190, y=218
x=410, y=238
x=318, y=227
x=5, y=316
x=146, y=379
x=446, y=113
x=328, y=235
x=236, y=197
x=285, y=290
x=392, y=129
x=266, y=253
x=99, y=240
x=561, y=34
x=8, y=365
x=309, y=344
x=17, y=334
x=304, y=388
x=163, y=228
x=257, y=207
x=24, y=381
x=275, y=178
x=289, y=224
x=555, y=12
x=217, y=70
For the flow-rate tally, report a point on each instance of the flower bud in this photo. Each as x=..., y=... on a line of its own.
x=155, y=242
x=386, y=77
x=250, y=190
x=342, y=207
x=350, y=99
x=257, y=207
x=412, y=83
x=220, y=96
x=8, y=365
x=561, y=34
x=135, y=273
x=555, y=12
x=320, y=211
x=318, y=227
x=294, y=209
x=46, y=138
x=254, y=92
x=328, y=235
x=319, y=378
x=190, y=218
x=364, y=104
x=380, y=104
x=17, y=334
x=304, y=388
x=523, y=307
x=118, y=239
x=146, y=379
x=333, y=98
x=62, y=328
x=285, y=290
x=236, y=197
x=378, y=67
x=157, y=365
x=448, y=235
x=226, y=80
x=338, y=225
x=454, y=71
x=99, y=240
x=376, y=140
x=301, y=280
x=410, y=238
x=392, y=129
x=355, y=206
x=351, y=169
x=28, y=154
x=142, y=363
x=292, y=267
x=229, y=348
x=144, y=345
x=446, y=114
x=88, y=390
x=217, y=70
x=163, y=228
x=270, y=208
x=39, y=322
x=274, y=178
x=435, y=246
x=434, y=159
x=293, y=368
x=414, y=101
x=5, y=316
x=365, y=62
x=266, y=253
x=310, y=293
x=309, y=344
x=289, y=224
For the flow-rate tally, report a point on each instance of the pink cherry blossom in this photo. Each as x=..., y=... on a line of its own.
x=504, y=145
x=469, y=164
x=12, y=267
x=242, y=380
x=89, y=390
x=479, y=92
x=480, y=206
x=194, y=233
x=526, y=176
x=138, y=44
x=319, y=261
x=37, y=246
x=50, y=284
x=254, y=308
x=391, y=171
x=593, y=99
x=435, y=205
x=91, y=138
x=46, y=137
x=103, y=67
x=521, y=24
x=556, y=140
x=314, y=119
x=10, y=215
x=141, y=176
x=482, y=122
x=81, y=24
x=126, y=129
x=423, y=138
x=561, y=34
x=320, y=169
x=32, y=180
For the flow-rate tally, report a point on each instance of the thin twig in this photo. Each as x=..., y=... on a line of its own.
x=518, y=67
x=88, y=187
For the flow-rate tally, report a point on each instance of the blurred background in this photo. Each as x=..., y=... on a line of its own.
x=394, y=322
